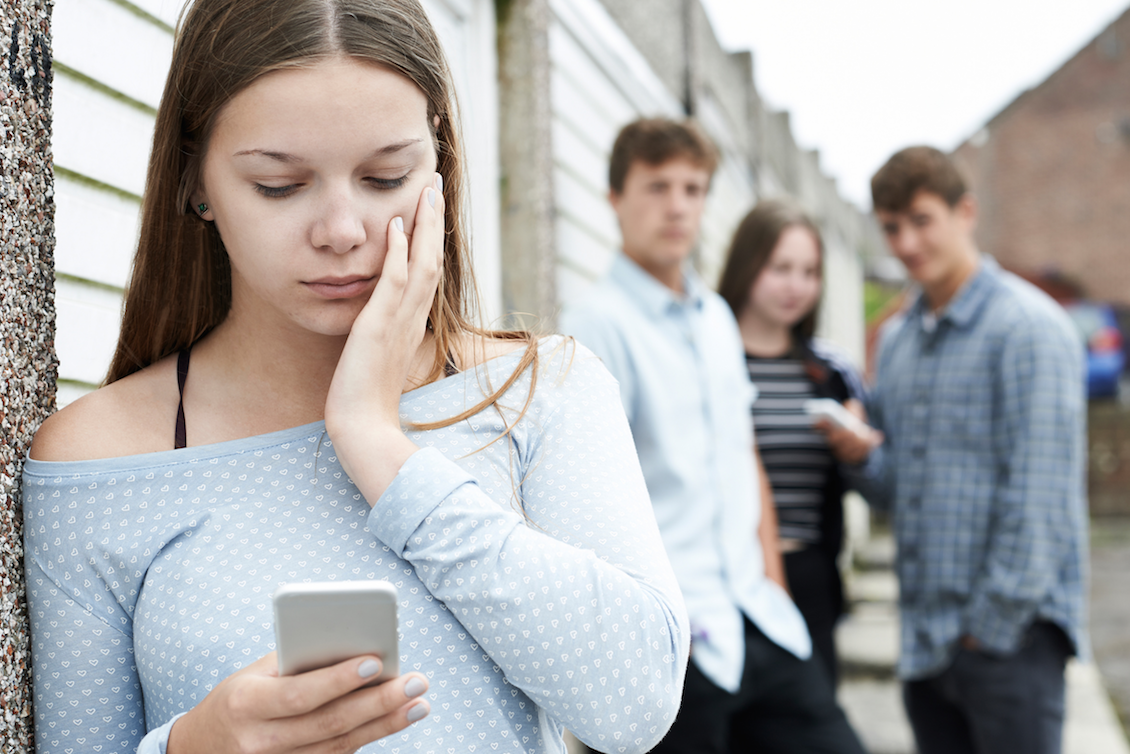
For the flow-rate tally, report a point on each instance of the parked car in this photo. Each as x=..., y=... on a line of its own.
x=1098, y=326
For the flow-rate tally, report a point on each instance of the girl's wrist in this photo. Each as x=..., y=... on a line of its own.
x=372, y=457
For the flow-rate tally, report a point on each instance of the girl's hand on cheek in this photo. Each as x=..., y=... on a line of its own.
x=362, y=408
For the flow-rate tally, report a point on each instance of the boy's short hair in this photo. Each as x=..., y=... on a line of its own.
x=655, y=141
x=912, y=170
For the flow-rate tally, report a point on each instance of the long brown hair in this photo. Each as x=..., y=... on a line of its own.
x=180, y=286
x=750, y=250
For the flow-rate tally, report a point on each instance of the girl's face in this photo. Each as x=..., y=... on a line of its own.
x=788, y=286
x=304, y=171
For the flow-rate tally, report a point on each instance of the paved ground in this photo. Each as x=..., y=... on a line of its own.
x=1110, y=607
x=868, y=642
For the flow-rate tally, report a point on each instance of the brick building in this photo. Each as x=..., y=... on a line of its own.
x=1052, y=172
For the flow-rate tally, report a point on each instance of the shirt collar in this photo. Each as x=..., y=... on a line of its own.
x=963, y=308
x=653, y=297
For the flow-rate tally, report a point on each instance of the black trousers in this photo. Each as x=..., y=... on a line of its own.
x=784, y=705
x=984, y=703
x=814, y=580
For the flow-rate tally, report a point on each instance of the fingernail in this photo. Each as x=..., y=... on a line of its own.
x=368, y=668
x=399, y=223
x=439, y=183
x=414, y=687
x=419, y=712
x=432, y=197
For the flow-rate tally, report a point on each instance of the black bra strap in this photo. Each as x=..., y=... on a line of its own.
x=180, y=439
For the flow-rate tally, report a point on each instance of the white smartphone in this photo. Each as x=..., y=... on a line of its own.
x=834, y=412
x=322, y=623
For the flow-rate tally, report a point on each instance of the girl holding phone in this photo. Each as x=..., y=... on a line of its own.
x=298, y=394
x=772, y=281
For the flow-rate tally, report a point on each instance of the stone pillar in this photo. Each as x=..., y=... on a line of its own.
x=28, y=366
x=529, y=257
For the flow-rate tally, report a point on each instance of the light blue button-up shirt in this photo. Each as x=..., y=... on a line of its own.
x=687, y=394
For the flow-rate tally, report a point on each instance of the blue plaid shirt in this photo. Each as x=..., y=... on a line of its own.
x=984, y=411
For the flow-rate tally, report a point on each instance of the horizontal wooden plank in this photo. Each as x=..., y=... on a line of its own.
x=571, y=285
x=100, y=137
x=460, y=9
x=585, y=161
x=577, y=200
x=87, y=321
x=69, y=392
x=570, y=106
x=589, y=23
x=106, y=42
x=165, y=11
x=580, y=249
x=95, y=233
x=569, y=57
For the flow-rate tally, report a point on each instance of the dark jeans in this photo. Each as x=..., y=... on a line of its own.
x=983, y=703
x=784, y=705
x=814, y=581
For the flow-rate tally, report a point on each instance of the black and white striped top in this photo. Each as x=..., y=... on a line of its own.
x=796, y=457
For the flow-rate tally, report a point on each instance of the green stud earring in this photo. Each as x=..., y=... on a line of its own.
x=202, y=208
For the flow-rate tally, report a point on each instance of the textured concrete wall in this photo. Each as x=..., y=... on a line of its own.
x=27, y=316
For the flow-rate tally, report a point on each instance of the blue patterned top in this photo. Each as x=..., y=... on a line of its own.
x=983, y=468
x=535, y=592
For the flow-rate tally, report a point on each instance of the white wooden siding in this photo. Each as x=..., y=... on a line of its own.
x=600, y=82
x=111, y=65
x=841, y=311
x=113, y=57
x=100, y=137
x=113, y=46
x=103, y=256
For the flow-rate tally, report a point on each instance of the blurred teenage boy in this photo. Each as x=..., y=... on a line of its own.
x=674, y=346
x=980, y=398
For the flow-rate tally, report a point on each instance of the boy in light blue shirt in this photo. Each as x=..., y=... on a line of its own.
x=674, y=347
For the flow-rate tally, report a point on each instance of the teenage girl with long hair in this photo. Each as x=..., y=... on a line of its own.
x=299, y=394
x=772, y=281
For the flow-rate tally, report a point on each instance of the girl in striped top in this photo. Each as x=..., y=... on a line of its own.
x=773, y=281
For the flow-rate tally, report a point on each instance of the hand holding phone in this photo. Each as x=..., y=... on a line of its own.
x=833, y=412
x=850, y=439
x=254, y=709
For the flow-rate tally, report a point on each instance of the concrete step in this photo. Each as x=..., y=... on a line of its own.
x=877, y=554
x=868, y=641
x=875, y=710
x=872, y=586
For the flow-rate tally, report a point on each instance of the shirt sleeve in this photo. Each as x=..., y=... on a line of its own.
x=874, y=478
x=575, y=600
x=1040, y=497
x=86, y=685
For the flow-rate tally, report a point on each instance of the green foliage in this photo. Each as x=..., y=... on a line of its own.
x=876, y=296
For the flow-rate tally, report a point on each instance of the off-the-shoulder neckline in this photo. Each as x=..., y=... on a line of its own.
x=215, y=451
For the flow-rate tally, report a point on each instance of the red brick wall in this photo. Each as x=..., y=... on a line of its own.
x=1053, y=176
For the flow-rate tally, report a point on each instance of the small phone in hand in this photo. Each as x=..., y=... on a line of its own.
x=834, y=412
x=322, y=623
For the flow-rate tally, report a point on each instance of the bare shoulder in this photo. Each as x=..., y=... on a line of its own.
x=136, y=414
